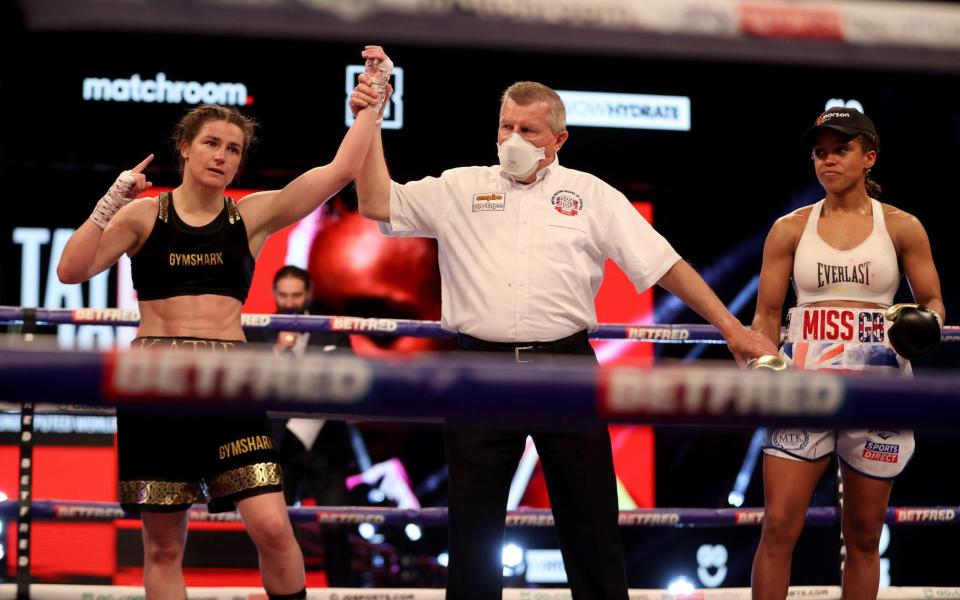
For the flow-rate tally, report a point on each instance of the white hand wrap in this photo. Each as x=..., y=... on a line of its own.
x=115, y=199
x=379, y=72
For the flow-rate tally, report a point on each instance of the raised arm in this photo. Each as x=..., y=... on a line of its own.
x=685, y=283
x=778, y=251
x=373, y=181
x=271, y=211
x=112, y=229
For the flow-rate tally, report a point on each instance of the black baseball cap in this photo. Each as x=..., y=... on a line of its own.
x=848, y=121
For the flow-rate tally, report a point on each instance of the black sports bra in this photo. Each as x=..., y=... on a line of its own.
x=181, y=260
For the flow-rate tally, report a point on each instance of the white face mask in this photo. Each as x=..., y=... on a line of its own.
x=518, y=157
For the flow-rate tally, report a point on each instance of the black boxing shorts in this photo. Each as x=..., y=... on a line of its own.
x=169, y=462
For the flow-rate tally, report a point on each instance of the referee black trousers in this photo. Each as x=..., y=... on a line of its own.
x=578, y=468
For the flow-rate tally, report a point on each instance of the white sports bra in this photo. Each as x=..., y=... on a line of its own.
x=868, y=272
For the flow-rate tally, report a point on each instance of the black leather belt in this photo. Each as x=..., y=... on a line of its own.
x=578, y=343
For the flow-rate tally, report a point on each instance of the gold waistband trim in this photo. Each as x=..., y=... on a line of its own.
x=184, y=343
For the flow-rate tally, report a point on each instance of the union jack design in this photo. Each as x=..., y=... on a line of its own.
x=839, y=356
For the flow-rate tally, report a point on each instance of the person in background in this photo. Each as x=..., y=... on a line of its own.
x=316, y=454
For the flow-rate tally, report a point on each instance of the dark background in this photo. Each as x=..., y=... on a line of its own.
x=715, y=189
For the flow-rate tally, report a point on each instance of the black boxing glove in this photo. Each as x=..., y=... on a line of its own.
x=915, y=329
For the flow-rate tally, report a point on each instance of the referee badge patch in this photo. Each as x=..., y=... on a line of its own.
x=489, y=201
x=567, y=203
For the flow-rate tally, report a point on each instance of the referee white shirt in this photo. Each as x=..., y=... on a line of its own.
x=523, y=262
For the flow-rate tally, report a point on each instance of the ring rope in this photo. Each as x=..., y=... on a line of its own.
x=81, y=592
x=627, y=385
x=483, y=389
x=676, y=334
x=818, y=516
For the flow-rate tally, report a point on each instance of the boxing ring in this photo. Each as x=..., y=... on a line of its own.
x=423, y=389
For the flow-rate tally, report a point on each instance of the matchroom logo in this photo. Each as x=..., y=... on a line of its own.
x=164, y=91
